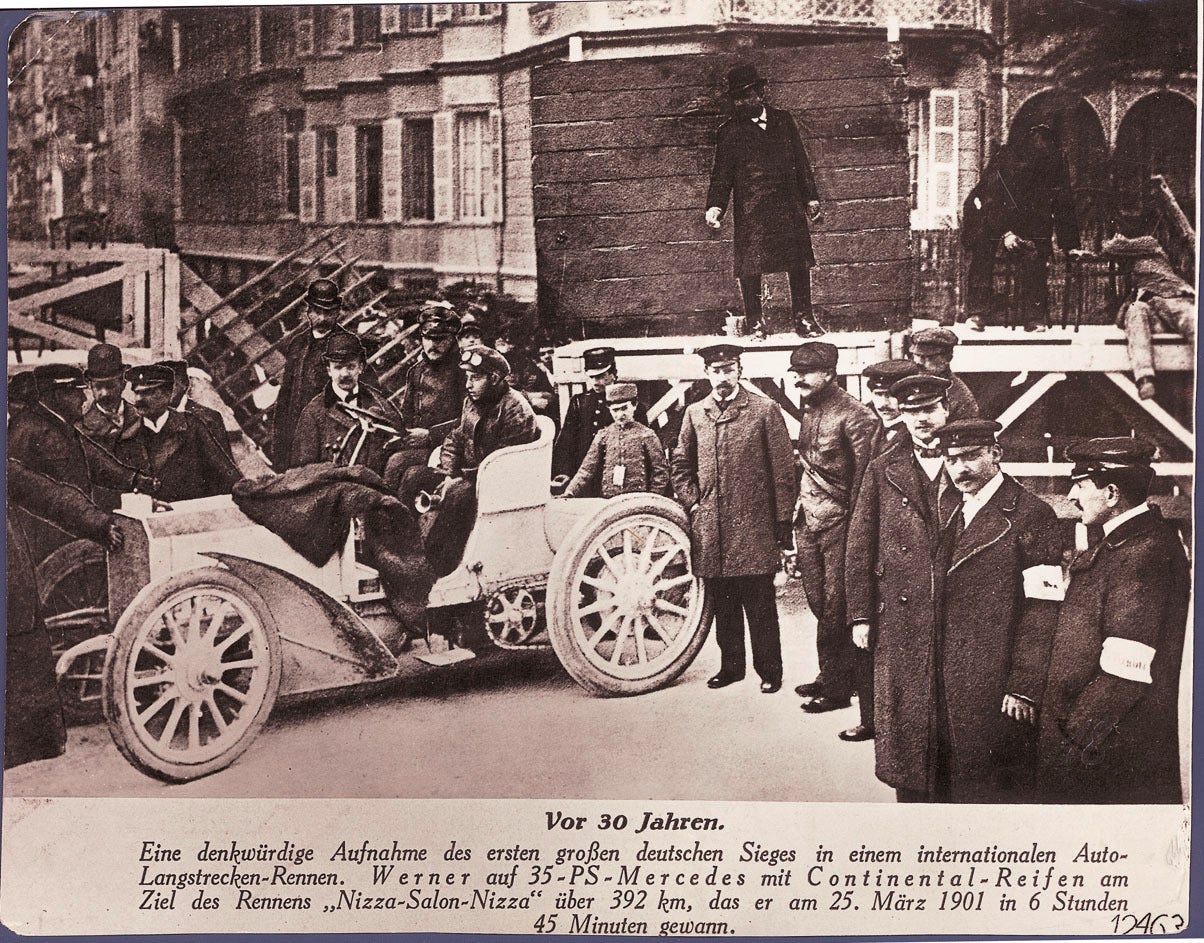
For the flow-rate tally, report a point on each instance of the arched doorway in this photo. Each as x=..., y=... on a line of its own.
x=1085, y=146
x=1156, y=136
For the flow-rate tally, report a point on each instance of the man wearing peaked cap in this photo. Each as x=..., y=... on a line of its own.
x=932, y=350
x=836, y=434
x=879, y=378
x=762, y=167
x=328, y=431
x=1109, y=719
x=179, y=450
x=470, y=333
x=109, y=419
x=587, y=413
x=1000, y=574
x=304, y=374
x=892, y=578
x=624, y=457
x=733, y=472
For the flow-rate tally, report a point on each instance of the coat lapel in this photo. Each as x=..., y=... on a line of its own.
x=165, y=443
x=989, y=526
x=905, y=476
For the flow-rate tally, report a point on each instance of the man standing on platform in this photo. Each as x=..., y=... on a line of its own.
x=879, y=378
x=835, y=436
x=304, y=369
x=892, y=583
x=1109, y=719
x=587, y=413
x=932, y=350
x=733, y=472
x=761, y=164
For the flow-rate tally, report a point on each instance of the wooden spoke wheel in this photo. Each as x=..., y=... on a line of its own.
x=192, y=674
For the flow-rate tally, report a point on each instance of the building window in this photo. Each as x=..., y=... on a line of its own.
x=275, y=35
x=474, y=11
x=917, y=150
x=328, y=152
x=369, y=190
x=294, y=125
x=418, y=169
x=417, y=17
x=367, y=24
x=474, y=166
x=933, y=158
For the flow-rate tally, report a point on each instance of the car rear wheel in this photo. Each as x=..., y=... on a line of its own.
x=626, y=614
x=192, y=674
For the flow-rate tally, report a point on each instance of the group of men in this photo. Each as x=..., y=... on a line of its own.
x=937, y=584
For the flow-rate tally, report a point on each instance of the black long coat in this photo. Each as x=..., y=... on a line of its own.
x=186, y=459
x=1029, y=197
x=303, y=378
x=892, y=581
x=1106, y=738
x=768, y=176
x=995, y=641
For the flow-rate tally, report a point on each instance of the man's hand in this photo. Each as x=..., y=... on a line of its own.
x=714, y=216
x=1011, y=241
x=814, y=213
x=115, y=539
x=1019, y=709
x=146, y=484
x=444, y=485
x=861, y=635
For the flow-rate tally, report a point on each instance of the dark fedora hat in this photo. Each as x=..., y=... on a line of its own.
x=743, y=77
x=324, y=294
x=104, y=363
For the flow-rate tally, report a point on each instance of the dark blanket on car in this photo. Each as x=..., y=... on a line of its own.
x=311, y=508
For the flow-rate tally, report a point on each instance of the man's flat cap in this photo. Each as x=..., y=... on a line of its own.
x=885, y=373
x=967, y=433
x=937, y=338
x=150, y=377
x=1109, y=454
x=324, y=294
x=598, y=360
x=622, y=393
x=342, y=346
x=720, y=353
x=814, y=355
x=51, y=375
x=104, y=363
x=482, y=359
x=918, y=391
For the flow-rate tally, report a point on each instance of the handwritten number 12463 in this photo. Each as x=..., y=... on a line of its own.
x=1147, y=923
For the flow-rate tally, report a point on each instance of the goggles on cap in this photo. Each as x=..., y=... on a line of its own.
x=472, y=358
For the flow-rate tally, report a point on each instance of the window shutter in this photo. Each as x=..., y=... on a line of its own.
x=445, y=169
x=943, y=158
x=440, y=13
x=346, y=178
x=309, y=171
x=305, y=31
x=498, y=212
x=390, y=170
x=344, y=27
x=390, y=18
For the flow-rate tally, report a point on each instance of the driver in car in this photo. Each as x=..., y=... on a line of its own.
x=494, y=417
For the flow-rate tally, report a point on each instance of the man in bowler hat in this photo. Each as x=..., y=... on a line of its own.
x=108, y=419
x=761, y=164
x=733, y=472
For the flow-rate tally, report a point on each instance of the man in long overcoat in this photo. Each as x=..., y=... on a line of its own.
x=1109, y=720
x=761, y=164
x=1002, y=557
x=733, y=471
x=891, y=585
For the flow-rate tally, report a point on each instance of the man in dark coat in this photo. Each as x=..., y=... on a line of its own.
x=1002, y=558
x=760, y=156
x=1109, y=719
x=587, y=413
x=331, y=428
x=33, y=714
x=180, y=451
x=932, y=350
x=892, y=584
x=182, y=401
x=835, y=436
x=304, y=369
x=109, y=419
x=44, y=437
x=494, y=417
x=733, y=472
x=1023, y=198
x=879, y=377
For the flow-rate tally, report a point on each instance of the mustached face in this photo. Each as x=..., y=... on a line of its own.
x=885, y=405
x=811, y=383
x=972, y=468
x=748, y=104
x=724, y=378
x=1094, y=503
x=345, y=374
x=107, y=393
x=923, y=421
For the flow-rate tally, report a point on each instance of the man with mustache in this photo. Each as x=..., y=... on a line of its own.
x=879, y=378
x=1000, y=568
x=733, y=472
x=836, y=433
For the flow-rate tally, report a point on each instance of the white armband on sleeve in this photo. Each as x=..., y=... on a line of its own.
x=1043, y=582
x=1125, y=658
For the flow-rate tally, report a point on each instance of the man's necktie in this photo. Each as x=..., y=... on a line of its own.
x=928, y=453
